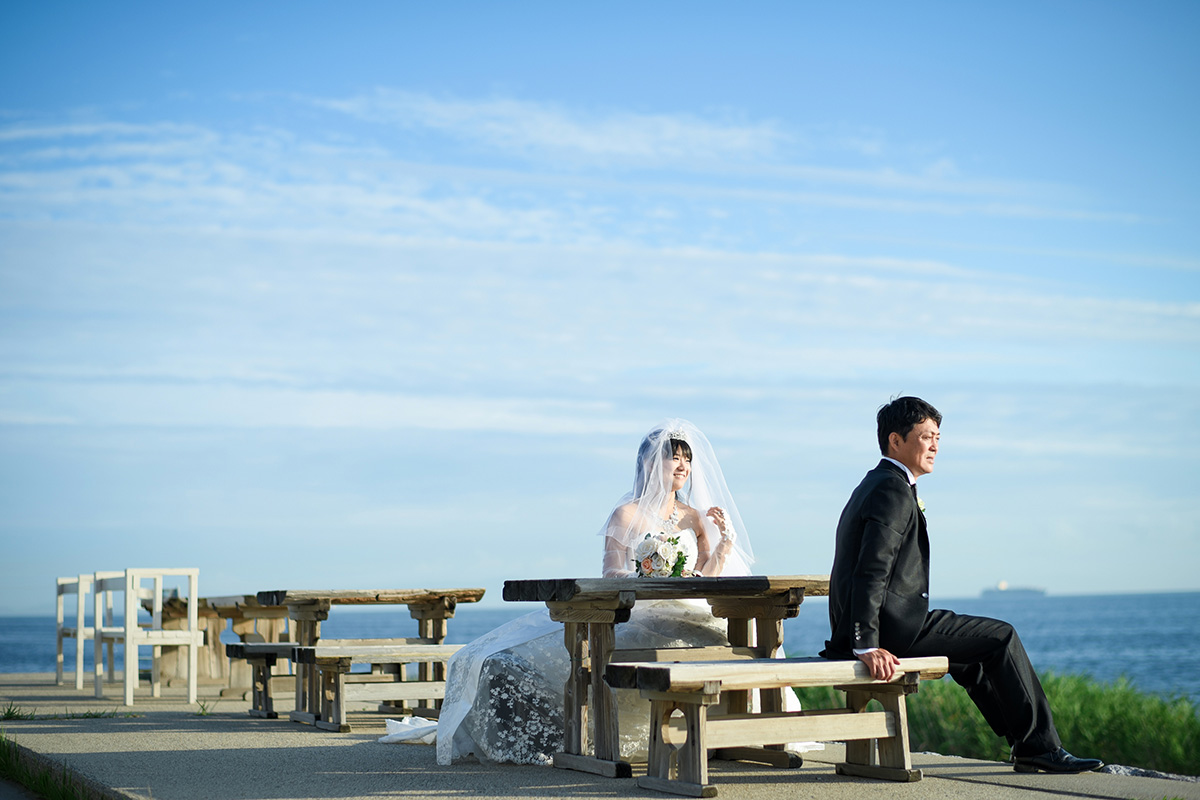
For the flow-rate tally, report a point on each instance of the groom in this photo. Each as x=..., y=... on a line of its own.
x=879, y=598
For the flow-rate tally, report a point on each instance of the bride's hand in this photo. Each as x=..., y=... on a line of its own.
x=717, y=515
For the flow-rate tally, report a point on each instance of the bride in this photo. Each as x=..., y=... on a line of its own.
x=675, y=464
x=504, y=691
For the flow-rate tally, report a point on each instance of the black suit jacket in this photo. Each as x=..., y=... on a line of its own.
x=879, y=587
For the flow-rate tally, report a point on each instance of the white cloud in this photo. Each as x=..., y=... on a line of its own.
x=164, y=173
x=155, y=405
x=526, y=127
x=23, y=131
x=313, y=309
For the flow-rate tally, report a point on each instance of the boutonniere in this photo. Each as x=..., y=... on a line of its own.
x=921, y=505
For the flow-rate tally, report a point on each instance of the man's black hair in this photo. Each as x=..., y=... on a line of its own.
x=900, y=416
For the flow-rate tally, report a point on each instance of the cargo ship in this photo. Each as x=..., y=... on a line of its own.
x=1002, y=589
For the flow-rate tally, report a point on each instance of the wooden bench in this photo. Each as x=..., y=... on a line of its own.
x=682, y=732
x=262, y=657
x=307, y=609
x=387, y=682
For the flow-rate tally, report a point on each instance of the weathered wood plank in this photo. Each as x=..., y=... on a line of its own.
x=585, y=589
x=371, y=677
x=401, y=690
x=601, y=639
x=676, y=787
x=893, y=752
x=762, y=673
x=565, y=613
x=380, y=654
x=281, y=597
x=780, y=759
x=793, y=726
x=374, y=642
x=659, y=754
x=595, y=766
x=259, y=649
x=575, y=690
x=692, y=758
x=673, y=654
x=878, y=772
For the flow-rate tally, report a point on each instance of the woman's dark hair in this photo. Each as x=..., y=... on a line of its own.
x=900, y=416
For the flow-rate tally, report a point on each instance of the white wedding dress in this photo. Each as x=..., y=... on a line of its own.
x=504, y=691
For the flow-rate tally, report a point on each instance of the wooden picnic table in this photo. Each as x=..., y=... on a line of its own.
x=307, y=609
x=754, y=608
x=242, y=612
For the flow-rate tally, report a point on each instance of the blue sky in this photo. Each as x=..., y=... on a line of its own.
x=385, y=295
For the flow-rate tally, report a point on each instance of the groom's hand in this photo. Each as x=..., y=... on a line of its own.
x=881, y=663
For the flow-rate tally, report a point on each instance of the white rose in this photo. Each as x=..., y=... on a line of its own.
x=645, y=547
x=668, y=551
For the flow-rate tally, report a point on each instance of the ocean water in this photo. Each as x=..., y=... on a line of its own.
x=1148, y=638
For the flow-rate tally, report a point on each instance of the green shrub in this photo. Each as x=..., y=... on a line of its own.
x=1114, y=722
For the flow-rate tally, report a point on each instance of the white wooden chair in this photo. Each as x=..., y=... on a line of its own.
x=79, y=586
x=132, y=583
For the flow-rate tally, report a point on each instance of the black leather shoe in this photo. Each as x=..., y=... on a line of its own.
x=1058, y=761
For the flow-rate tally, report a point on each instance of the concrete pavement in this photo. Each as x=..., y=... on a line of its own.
x=163, y=749
x=15, y=791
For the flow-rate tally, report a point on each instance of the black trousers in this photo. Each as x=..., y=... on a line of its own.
x=988, y=660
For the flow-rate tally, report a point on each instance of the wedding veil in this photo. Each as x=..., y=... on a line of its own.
x=705, y=488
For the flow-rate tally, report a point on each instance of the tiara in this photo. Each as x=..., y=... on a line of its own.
x=677, y=433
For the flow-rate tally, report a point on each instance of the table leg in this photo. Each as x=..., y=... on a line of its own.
x=576, y=688
x=759, y=625
x=332, y=681
x=431, y=624
x=860, y=752
x=589, y=659
x=770, y=639
x=739, y=636
x=262, y=704
x=239, y=667
x=307, y=625
x=601, y=643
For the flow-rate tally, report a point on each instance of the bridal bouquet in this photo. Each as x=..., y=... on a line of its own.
x=658, y=556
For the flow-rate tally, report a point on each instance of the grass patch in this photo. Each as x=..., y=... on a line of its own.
x=1111, y=721
x=12, y=711
x=15, y=712
x=47, y=783
x=110, y=713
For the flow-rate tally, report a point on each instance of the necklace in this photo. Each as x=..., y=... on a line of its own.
x=673, y=520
